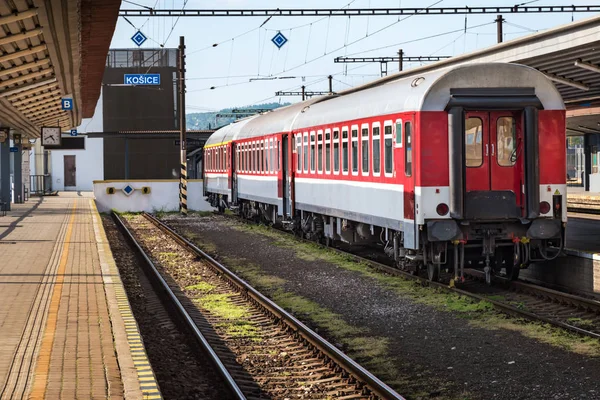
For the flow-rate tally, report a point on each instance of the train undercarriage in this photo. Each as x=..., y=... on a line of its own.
x=500, y=248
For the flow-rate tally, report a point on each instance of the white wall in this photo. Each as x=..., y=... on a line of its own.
x=164, y=196
x=89, y=164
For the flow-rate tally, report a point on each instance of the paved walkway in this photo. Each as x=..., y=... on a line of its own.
x=66, y=330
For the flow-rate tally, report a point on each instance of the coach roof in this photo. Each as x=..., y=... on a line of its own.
x=428, y=91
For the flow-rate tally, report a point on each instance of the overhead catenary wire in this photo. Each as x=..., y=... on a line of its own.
x=355, y=41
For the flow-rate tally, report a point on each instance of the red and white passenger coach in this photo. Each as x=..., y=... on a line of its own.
x=460, y=165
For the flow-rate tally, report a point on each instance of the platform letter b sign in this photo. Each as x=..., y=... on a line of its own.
x=67, y=104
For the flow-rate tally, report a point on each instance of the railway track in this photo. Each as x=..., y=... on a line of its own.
x=536, y=303
x=260, y=350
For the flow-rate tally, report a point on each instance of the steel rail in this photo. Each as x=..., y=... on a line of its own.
x=355, y=12
x=371, y=381
x=164, y=286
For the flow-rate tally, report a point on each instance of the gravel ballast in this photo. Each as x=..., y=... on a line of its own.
x=430, y=353
x=181, y=369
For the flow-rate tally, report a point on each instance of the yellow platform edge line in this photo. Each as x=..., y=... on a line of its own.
x=131, y=329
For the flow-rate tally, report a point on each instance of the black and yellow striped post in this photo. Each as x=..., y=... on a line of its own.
x=183, y=209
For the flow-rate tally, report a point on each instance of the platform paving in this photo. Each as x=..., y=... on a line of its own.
x=65, y=325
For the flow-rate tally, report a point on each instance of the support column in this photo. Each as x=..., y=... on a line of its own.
x=5, y=171
x=18, y=168
x=587, y=148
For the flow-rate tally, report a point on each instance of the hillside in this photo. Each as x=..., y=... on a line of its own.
x=209, y=120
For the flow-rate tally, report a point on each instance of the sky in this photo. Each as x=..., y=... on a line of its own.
x=244, y=49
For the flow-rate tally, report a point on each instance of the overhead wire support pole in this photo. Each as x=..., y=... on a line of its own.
x=182, y=133
x=357, y=12
x=384, y=60
x=499, y=22
x=303, y=93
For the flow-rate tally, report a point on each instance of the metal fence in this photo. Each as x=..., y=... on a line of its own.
x=40, y=184
x=128, y=58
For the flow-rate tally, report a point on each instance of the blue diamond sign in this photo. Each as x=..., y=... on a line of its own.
x=128, y=190
x=279, y=40
x=139, y=38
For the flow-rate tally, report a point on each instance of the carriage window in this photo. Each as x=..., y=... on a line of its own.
x=473, y=142
x=327, y=151
x=262, y=157
x=312, y=152
x=345, y=150
x=376, y=150
x=277, y=155
x=298, y=153
x=408, y=149
x=336, y=150
x=507, y=135
x=267, y=155
x=320, y=151
x=271, y=155
x=354, y=150
x=399, y=133
x=365, y=150
x=305, y=152
x=388, y=154
x=253, y=158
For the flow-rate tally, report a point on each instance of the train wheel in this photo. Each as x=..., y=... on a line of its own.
x=505, y=258
x=433, y=272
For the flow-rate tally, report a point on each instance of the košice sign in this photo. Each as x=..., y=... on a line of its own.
x=142, y=79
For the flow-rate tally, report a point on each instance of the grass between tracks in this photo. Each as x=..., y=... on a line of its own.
x=479, y=313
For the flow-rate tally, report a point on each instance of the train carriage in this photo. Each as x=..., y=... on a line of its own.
x=455, y=166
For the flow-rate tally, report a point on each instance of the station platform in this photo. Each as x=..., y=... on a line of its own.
x=581, y=201
x=66, y=328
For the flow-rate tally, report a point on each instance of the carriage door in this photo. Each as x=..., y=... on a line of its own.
x=494, y=166
x=234, y=155
x=285, y=176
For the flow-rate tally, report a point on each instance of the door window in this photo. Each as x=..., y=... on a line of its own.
x=408, y=149
x=473, y=142
x=506, y=134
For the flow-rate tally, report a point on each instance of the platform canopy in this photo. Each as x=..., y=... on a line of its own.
x=49, y=50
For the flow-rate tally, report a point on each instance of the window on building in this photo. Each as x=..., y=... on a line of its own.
x=408, y=149
x=336, y=150
x=365, y=151
x=328, y=151
x=388, y=153
x=376, y=150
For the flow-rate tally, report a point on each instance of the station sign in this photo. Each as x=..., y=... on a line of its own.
x=66, y=103
x=142, y=79
x=14, y=149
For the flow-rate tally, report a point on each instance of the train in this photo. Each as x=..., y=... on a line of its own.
x=442, y=168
